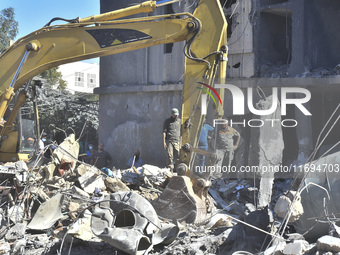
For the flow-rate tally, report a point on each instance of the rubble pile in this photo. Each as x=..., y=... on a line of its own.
x=64, y=206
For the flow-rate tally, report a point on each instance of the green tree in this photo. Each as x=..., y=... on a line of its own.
x=54, y=77
x=8, y=28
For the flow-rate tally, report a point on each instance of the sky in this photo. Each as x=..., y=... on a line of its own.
x=32, y=15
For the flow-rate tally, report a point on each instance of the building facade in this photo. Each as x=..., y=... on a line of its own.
x=80, y=76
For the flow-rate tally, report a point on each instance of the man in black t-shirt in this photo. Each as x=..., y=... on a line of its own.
x=171, y=138
x=101, y=158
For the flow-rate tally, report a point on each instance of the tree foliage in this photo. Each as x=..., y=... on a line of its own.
x=8, y=28
x=54, y=78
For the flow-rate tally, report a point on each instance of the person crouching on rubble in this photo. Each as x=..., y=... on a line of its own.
x=171, y=138
x=101, y=158
x=135, y=161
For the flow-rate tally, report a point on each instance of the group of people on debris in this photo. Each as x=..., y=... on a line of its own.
x=225, y=145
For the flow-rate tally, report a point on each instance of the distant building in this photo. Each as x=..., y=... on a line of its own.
x=80, y=76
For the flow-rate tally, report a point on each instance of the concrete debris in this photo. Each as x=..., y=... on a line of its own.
x=82, y=227
x=16, y=232
x=67, y=206
x=296, y=248
x=276, y=249
x=285, y=205
x=5, y=248
x=328, y=243
x=66, y=154
x=48, y=213
x=90, y=178
x=115, y=185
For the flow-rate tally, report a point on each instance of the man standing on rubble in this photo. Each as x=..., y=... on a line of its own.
x=225, y=144
x=171, y=138
x=101, y=158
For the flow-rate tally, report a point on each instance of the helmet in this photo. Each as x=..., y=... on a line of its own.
x=175, y=111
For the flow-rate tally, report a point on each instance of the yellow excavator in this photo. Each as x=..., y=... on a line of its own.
x=205, y=34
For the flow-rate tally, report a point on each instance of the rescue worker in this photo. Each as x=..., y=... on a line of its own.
x=171, y=138
x=101, y=158
x=225, y=144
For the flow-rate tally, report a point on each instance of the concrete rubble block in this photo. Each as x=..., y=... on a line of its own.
x=82, y=227
x=90, y=178
x=115, y=185
x=296, y=248
x=39, y=192
x=48, y=171
x=67, y=152
x=328, y=243
x=16, y=232
x=79, y=192
x=284, y=204
x=294, y=236
x=249, y=208
x=73, y=209
x=275, y=249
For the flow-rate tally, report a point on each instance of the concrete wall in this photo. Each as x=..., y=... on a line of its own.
x=133, y=119
x=137, y=92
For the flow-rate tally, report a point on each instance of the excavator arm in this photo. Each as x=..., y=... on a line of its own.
x=91, y=37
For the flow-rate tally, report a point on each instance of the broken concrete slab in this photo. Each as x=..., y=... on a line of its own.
x=296, y=248
x=90, y=178
x=328, y=243
x=16, y=232
x=67, y=152
x=275, y=249
x=48, y=213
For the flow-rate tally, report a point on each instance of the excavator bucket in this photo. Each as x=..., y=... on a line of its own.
x=180, y=202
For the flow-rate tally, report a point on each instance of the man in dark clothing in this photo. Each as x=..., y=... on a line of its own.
x=101, y=158
x=171, y=138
